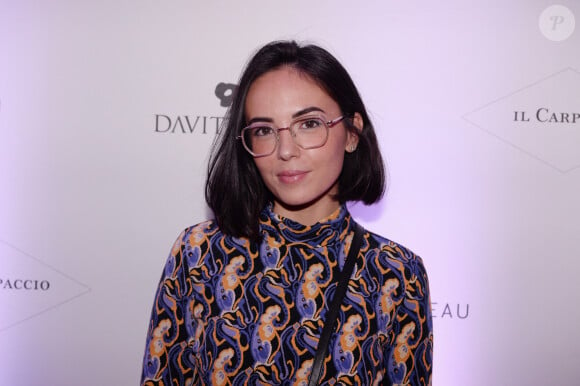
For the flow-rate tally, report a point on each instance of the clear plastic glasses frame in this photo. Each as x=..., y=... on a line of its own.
x=261, y=139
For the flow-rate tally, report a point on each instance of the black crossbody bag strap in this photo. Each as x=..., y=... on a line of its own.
x=332, y=314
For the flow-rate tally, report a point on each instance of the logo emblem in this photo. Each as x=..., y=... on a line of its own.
x=557, y=23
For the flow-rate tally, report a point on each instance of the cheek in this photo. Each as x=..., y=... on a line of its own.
x=335, y=153
x=263, y=166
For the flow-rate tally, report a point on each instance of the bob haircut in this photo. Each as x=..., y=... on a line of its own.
x=234, y=189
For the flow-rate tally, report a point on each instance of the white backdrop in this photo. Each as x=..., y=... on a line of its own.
x=98, y=177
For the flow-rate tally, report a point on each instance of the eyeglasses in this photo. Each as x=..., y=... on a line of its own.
x=261, y=138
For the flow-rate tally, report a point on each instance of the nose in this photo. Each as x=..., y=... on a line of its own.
x=287, y=147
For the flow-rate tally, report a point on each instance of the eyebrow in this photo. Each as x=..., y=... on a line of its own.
x=295, y=115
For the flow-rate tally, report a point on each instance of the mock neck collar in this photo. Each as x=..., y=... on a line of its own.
x=327, y=231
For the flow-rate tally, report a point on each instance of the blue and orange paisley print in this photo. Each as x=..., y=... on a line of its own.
x=233, y=312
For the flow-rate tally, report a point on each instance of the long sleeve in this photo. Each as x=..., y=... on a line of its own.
x=166, y=359
x=410, y=355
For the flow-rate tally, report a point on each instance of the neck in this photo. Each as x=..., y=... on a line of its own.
x=306, y=214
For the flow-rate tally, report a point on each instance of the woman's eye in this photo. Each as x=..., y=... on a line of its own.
x=262, y=131
x=311, y=124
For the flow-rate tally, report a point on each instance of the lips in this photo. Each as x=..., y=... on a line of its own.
x=291, y=176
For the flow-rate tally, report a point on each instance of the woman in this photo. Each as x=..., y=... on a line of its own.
x=244, y=298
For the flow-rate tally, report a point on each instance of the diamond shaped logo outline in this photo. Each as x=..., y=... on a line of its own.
x=550, y=164
x=40, y=311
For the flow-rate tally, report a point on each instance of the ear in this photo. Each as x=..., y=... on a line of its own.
x=353, y=137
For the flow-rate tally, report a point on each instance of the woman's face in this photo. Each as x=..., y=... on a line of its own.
x=303, y=182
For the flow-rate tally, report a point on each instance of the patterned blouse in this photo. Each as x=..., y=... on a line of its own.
x=232, y=312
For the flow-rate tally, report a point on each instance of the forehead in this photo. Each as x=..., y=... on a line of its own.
x=284, y=91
